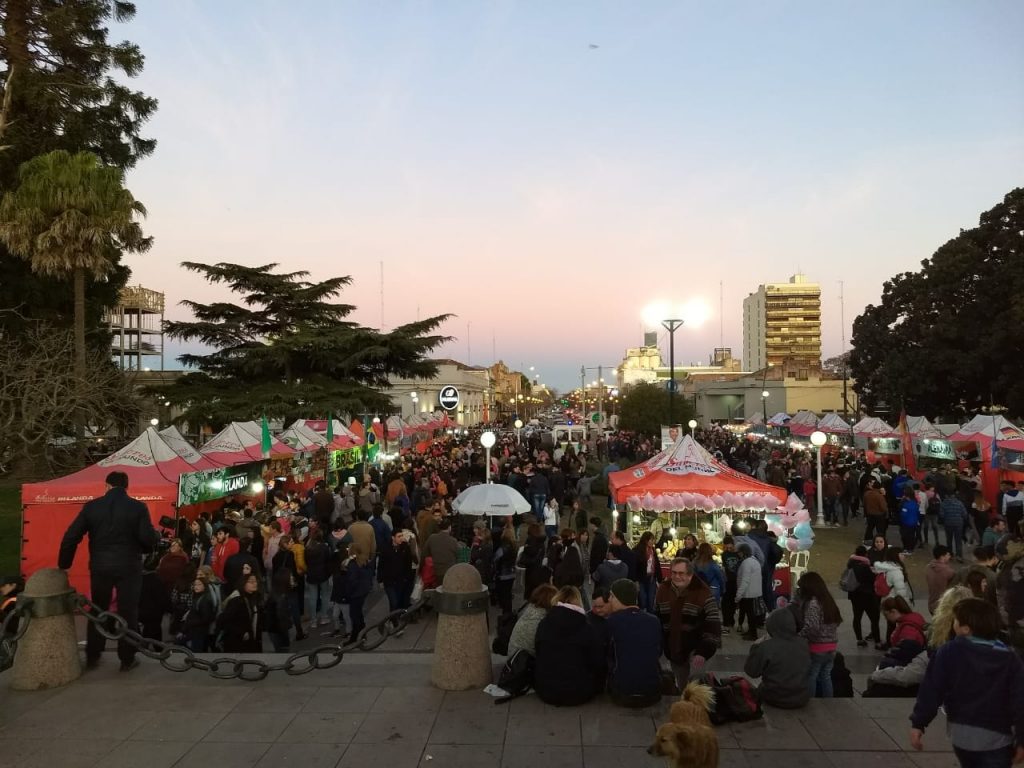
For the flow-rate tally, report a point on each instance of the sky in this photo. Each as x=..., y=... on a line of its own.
x=545, y=171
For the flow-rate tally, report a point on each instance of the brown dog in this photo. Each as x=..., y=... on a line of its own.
x=689, y=740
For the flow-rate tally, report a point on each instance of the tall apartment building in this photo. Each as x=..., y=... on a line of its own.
x=782, y=324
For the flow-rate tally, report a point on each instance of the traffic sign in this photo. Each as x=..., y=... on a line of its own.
x=596, y=417
x=449, y=398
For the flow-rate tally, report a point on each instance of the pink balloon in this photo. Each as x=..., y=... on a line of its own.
x=686, y=500
x=709, y=504
x=793, y=503
x=719, y=500
x=647, y=501
x=633, y=502
x=776, y=528
x=792, y=545
x=788, y=521
x=802, y=516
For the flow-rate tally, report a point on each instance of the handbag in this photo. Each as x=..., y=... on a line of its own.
x=417, y=590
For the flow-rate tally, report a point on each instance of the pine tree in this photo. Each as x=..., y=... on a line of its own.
x=57, y=69
x=287, y=349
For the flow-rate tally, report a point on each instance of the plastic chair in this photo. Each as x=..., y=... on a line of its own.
x=798, y=563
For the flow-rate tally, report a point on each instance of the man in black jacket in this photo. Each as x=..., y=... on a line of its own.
x=598, y=544
x=120, y=532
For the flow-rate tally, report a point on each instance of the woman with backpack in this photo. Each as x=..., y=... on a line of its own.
x=821, y=620
x=858, y=581
x=891, y=580
x=907, y=638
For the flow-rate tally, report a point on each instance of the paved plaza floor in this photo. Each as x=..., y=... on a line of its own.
x=378, y=710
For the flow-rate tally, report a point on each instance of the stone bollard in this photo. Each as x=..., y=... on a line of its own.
x=462, y=655
x=47, y=655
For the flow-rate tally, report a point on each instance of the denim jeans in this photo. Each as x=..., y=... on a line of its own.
x=930, y=522
x=539, y=500
x=819, y=680
x=318, y=595
x=647, y=591
x=829, y=503
x=995, y=758
x=399, y=596
x=955, y=539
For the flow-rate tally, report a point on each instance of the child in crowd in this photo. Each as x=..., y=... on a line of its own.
x=979, y=682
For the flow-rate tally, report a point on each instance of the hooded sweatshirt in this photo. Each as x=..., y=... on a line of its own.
x=979, y=683
x=782, y=662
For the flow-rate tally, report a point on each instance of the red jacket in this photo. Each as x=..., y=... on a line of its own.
x=220, y=554
x=909, y=626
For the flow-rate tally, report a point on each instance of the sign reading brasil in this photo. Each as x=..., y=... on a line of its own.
x=212, y=484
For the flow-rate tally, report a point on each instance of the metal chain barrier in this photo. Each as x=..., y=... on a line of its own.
x=9, y=642
x=178, y=658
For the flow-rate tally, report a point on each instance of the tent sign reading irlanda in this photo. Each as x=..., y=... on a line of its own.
x=212, y=484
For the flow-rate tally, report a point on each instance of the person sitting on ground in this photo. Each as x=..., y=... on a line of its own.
x=600, y=610
x=938, y=574
x=783, y=662
x=902, y=681
x=524, y=633
x=569, y=658
x=979, y=682
x=908, y=637
x=634, y=668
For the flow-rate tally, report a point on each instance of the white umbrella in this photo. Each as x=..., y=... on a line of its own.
x=490, y=499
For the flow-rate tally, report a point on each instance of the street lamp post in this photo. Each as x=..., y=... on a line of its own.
x=764, y=409
x=487, y=441
x=672, y=325
x=518, y=425
x=692, y=424
x=818, y=439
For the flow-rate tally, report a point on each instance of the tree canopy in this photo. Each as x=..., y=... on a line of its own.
x=58, y=72
x=945, y=341
x=287, y=349
x=644, y=408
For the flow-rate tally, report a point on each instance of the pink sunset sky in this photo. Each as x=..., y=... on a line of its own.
x=544, y=190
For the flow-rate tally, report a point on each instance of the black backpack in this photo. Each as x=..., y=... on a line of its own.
x=516, y=676
x=842, y=681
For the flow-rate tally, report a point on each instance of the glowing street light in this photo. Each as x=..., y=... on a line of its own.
x=487, y=440
x=818, y=439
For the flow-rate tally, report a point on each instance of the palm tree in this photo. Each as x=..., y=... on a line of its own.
x=71, y=215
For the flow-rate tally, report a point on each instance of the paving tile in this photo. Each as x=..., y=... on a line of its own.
x=547, y=729
x=325, y=728
x=870, y=759
x=31, y=725
x=104, y=724
x=618, y=729
x=224, y=755
x=352, y=698
x=620, y=757
x=836, y=733
x=304, y=755
x=74, y=753
x=832, y=709
x=176, y=726
x=548, y=757
x=160, y=754
x=732, y=758
x=474, y=701
x=387, y=727
x=486, y=727
x=788, y=758
x=272, y=699
x=194, y=699
x=14, y=749
x=933, y=759
x=777, y=733
x=393, y=755
x=935, y=740
x=249, y=727
x=886, y=708
x=409, y=700
x=461, y=756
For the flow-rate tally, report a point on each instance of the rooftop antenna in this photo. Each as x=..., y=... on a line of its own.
x=721, y=314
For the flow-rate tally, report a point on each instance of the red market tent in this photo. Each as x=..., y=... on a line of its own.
x=982, y=427
x=685, y=468
x=153, y=468
x=239, y=443
x=872, y=426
